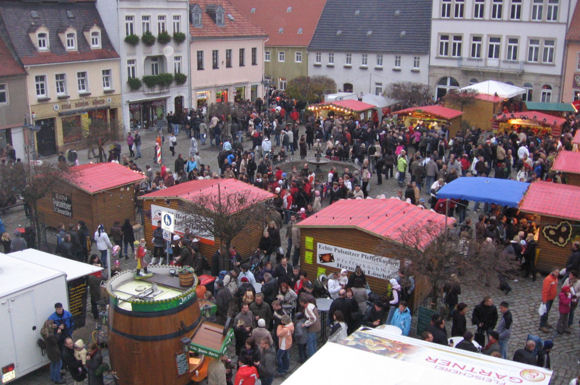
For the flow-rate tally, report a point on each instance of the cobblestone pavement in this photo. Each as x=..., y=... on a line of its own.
x=524, y=298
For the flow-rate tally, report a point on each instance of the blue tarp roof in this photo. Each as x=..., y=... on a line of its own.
x=504, y=192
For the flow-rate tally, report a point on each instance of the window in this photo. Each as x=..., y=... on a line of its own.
x=378, y=89
x=3, y=94
x=60, y=80
x=552, y=12
x=527, y=96
x=516, y=10
x=493, y=47
x=478, y=9
x=348, y=59
x=444, y=45
x=546, y=96
x=131, y=69
x=398, y=61
x=146, y=24
x=456, y=46
x=71, y=41
x=255, y=56
x=200, y=60
x=496, y=9
x=242, y=57
x=129, y=25
x=331, y=58
x=82, y=82
x=281, y=56
x=364, y=60
x=161, y=24
x=537, y=10
x=282, y=84
x=548, y=51
x=476, y=42
x=228, y=58
x=267, y=56
x=177, y=61
x=107, y=80
x=512, y=49
x=96, y=39
x=40, y=84
x=215, y=59
x=155, y=65
x=459, y=8
x=196, y=17
x=379, y=60
x=445, y=9
x=416, y=62
x=298, y=56
x=219, y=16
x=176, y=23
x=533, y=50
x=318, y=57
x=42, y=41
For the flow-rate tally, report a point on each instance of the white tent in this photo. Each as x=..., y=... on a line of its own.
x=493, y=87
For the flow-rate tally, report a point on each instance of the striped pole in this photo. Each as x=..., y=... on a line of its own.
x=158, y=153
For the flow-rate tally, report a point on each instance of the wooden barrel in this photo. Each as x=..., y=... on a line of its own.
x=145, y=342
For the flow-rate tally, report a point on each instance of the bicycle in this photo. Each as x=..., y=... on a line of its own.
x=101, y=333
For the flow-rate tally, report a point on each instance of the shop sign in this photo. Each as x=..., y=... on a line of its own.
x=84, y=103
x=180, y=221
x=341, y=258
x=62, y=204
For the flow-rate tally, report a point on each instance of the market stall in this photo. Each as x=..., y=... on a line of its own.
x=347, y=108
x=504, y=192
x=568, y=163
x=224, y=197
x=557, y=210
x=557, y=109
x=96, y=193
x=369, y=233
x=538, y=122
x=432, y=115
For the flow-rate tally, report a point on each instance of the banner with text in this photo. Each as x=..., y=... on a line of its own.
x=181, y=221
x=372, y=265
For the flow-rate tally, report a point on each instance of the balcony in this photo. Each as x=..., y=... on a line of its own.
x=491, y=65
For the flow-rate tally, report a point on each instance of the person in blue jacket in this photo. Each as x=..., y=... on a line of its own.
x=64, y=323
x=402, y=318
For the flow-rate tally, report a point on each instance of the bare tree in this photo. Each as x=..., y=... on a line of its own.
x=460, y=98
x=310, y=89
x=489, y=262
x=410, y=94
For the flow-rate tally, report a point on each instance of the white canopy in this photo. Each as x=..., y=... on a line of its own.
x=375, y=100
x=72, y=269
x=493, y=87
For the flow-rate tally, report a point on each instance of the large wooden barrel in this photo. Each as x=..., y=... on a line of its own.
x=145, y=334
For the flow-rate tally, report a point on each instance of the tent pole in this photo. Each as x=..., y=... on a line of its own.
x=446, y=215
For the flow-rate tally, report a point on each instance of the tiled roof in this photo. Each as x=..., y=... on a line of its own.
x=8, y=64
x=234, y=26
x=574, y=29
x=97, y=177
x=287, y=22
x=354, y=105
x=18, y=21
x=396, y=26
x=384, y=218
x=553, y=200
x=435, y=110
x=207, y=191
x=567, y=161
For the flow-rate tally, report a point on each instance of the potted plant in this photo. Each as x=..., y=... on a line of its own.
x=163, y=37
x=186, y=275
x=148, y=38
x=134, y=83
x=132, y=39
x=150, y=80
x=180, y=78
x=179, y=37
x=165, y=79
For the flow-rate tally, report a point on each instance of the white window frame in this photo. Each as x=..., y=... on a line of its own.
x=41, y=86
x=364, y=60
x=348, y=59
x=317, y=57
x=378, y=88
x=282, y=83
x=529, y=94
x=131, y=68
x=60, y=84
x=145, y=23
x=71, y=41
x=477, y=45
x=494, y=47
x=496, y=9
x=516, y=7
x=416, y=62
x=548, y=51
x=83, y=82
x=155, y=65
x=479, y=9
x=161, y=24
x=177, y=64
x=298, y=57
x=379, y=60
x=281, y=56
x=331, y=58
x=457, y=46
x=546, y=94
x=176, y=24
x=129, y=25
x=533, y=55
x=42, y=41
x=3, y=93
x=95, y=39
x=107, y=75
x=444, y=45
x=552, y=10
x=512, y=49
x=397, y=62
x=267, y=56
x=446, y=9
x=537, y=10
x=459, y=9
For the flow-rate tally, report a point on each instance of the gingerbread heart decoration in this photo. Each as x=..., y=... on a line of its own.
x=559, y=235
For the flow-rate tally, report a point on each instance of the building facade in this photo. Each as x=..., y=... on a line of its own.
x=571, y=77
x=365, y=46
x=227, y=54
x=152, y=39
x=73, y=81
x=514, y=41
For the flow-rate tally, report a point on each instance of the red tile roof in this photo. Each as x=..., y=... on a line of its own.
x=574, y=29
x=239, y=26
x=383, y=218
x=435, y=110
x=353, y=105
x=290, y=15
x=199, y=190
x=553, y=200
x=49, y=57
x=97, y=177
x=8, y=64
x=567, y=161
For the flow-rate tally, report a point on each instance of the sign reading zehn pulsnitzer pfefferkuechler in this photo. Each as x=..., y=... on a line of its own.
x=342, y=258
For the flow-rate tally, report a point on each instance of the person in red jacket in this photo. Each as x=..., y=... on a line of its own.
x=565, y=303
x=549, y=292
x=247, y=374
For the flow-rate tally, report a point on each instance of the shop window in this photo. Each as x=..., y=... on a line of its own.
x=72, y=129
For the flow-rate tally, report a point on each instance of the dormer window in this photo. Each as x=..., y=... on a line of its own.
x=95, y=39
x=195, y=16
x=42, y=41
x=71, y=41
x=219, y=16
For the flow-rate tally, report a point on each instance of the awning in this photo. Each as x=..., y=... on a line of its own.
x=435, y=110
x=558, y=107
x=493, y=87
x=504, y=192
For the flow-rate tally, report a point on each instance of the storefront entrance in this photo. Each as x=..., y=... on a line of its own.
x=221, y=96
x=145, y=114
x=45, y=137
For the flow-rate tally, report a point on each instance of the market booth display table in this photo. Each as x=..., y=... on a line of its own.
x=355, y=108
x=432, y=114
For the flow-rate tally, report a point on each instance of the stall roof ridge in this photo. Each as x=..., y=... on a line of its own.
x=553, y=200
x=96, y=177
x=567, y=161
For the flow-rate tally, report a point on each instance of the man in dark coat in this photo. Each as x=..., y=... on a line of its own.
x=74, y=366
x=467, y=343
x=484, y=316
x=223, y=298
x=459, y=322
x=527, y=354
x=347, y=306
x=283, y=272
x=437, y=329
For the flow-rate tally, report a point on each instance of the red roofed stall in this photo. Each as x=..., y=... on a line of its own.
x=215, y=195
x=539, y=122
x=96, y=193
x=358, y=109
x=557, y=210
x=568, y=163
x=434, y=114
x=350, y=232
